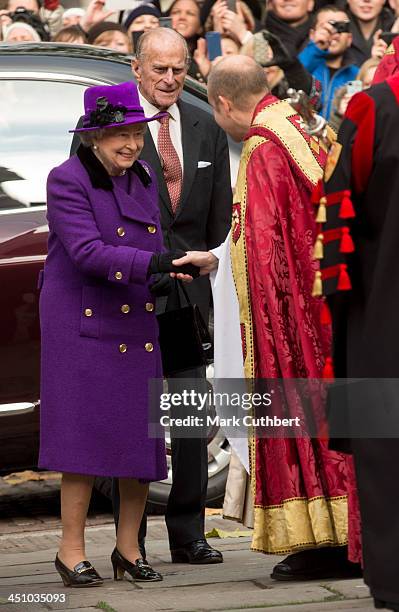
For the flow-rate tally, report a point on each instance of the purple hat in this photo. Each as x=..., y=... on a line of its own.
x=109, y=106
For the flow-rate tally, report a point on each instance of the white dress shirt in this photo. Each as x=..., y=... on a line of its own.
x=174, y=126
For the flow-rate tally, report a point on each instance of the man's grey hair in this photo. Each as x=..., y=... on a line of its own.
x=237, y=78
x=144, y=41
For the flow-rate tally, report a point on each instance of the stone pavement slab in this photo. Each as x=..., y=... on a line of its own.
x=242, y=582
x=330, y=606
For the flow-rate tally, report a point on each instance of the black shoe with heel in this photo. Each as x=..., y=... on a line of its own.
x=82, y=575
x=140, y=571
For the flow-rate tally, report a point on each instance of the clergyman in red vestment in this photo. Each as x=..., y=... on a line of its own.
x=300, y=487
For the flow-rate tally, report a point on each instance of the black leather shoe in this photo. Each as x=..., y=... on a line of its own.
x=386, y=605
x=82, y=575
x=317, y=564
x=140, y=571
x=197, y=553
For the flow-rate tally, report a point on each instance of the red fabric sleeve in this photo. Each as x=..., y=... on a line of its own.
x=361, y=111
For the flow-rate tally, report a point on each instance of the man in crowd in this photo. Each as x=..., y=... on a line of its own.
x=327, y=55
x=189, y=154
x=300, y=486
x=291, y=21
x=367, y=16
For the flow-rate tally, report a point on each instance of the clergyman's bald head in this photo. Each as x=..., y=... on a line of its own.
x=237, y=78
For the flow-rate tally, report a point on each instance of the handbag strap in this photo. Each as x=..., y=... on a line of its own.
x=181, y=285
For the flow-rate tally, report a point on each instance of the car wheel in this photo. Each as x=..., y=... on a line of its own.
x=218, y=467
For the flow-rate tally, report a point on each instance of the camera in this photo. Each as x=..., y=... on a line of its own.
x=340, y=27
x=22, y=15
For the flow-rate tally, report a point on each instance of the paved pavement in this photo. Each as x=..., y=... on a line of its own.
x=242, y=582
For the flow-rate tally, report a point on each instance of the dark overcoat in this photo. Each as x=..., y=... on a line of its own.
x=98, y=324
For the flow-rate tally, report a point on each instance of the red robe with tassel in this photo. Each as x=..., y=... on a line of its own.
x=301, y=487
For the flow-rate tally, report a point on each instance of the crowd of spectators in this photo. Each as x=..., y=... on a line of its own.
x=330, y=49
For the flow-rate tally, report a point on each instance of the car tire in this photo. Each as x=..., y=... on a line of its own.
x=159, y=491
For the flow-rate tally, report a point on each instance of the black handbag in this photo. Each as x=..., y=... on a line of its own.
x=183, y=337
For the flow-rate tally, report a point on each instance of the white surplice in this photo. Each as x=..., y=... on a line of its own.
x=228, y=359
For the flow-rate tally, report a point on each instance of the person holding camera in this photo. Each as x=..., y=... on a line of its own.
x=326, y=56
x=44, y=17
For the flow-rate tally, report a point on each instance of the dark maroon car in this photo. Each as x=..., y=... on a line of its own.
x=41, y=94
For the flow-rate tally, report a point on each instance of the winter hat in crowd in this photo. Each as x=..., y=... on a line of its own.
x=73, y=12
x=143, y=9
x=23, y=26
x=100, y=28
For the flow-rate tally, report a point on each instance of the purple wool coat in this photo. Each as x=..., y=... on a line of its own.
x=98, y=325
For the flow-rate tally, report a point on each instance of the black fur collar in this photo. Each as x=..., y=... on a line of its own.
x=99, y=177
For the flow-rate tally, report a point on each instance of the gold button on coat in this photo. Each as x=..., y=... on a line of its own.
x=148, y=347
x=125, y=308
x=118, y=275
x=149, y=307
x=123, y=348
x=152, y=229
x=121, y=231
x=88, y=312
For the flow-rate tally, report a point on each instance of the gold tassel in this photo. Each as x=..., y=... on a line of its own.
x=322, y=211
x=317, y=285
x=318, y=247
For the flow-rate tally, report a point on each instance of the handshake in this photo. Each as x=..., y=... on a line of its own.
x=179, y=265
x=182, y=265
x=162, y=262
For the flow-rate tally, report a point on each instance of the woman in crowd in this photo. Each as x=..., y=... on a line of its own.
x=143, y=18
x=72, y=17
x=21, y=32
x=110, y=35
x=71, y=34
x=185, y=16
x=99, y=330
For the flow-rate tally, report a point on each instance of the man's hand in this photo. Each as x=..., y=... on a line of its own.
x=322, y=34
x=204, y=260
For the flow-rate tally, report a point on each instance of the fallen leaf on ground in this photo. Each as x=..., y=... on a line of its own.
x=29, y=475
x=221, y=533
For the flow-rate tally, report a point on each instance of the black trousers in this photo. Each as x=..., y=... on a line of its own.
x=185, y=510
x=376, y=462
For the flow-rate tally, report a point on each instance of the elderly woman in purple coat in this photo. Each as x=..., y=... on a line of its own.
x=99, y=330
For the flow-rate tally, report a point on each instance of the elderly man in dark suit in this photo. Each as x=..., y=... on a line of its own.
x=189, y=154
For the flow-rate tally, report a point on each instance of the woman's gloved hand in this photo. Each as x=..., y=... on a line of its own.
x=162, y=262
x=162, y=285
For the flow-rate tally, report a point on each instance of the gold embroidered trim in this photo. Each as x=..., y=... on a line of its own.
x=275, y=117
x=239, y=262
x=301, y=523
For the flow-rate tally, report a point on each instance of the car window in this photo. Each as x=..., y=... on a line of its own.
x=35, y=116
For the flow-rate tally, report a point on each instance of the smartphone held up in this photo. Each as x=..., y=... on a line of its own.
x=214, y=45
